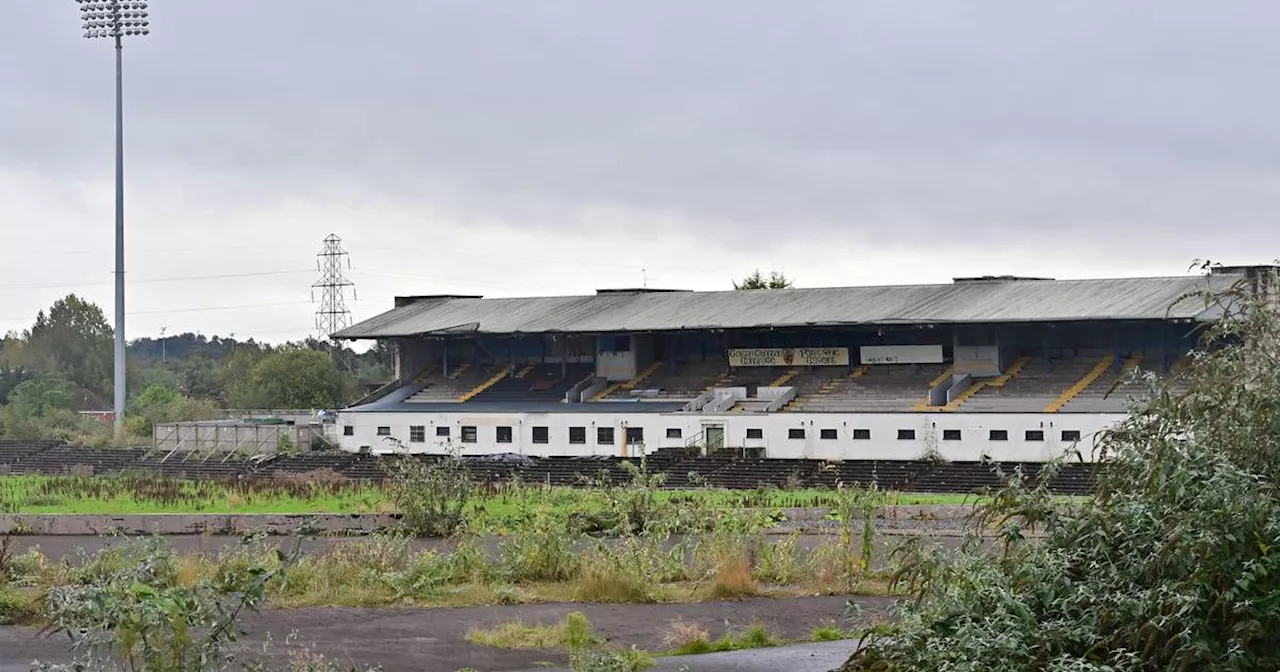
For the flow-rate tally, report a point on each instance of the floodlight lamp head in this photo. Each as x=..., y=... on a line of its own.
x=113, y=18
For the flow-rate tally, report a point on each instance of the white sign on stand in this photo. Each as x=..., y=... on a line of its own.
x=902, y=354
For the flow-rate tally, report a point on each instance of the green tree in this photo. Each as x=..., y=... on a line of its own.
x=775, y=280
x=74, y=340
x=198, y=377
x=1172, y=565
x=290, y=378
x=233, y=378
x=10, y=379
x=42, y=408
x=160, y=404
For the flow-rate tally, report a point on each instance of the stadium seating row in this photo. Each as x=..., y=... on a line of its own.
x=1083, y=383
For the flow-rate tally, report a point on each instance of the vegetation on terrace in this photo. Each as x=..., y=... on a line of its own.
x=544, y=558
x=146, y=492
x=1173, y=565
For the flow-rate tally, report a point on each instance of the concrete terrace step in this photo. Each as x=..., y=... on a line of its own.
x=719, y=470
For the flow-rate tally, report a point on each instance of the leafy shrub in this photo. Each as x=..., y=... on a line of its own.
x=1174, y=565
x=431, y=495
x=40, y=408
x=126, y=610
x=585, y=656
x=540, y=551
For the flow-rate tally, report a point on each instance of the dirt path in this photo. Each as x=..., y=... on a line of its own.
x=433, y=639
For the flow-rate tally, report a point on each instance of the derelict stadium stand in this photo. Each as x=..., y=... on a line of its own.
x=979, y=477
x=1119, y=389
x=672, y=380
x=13, y=451
x=548, y=382
x=888, y=388
x=61, y=458
x=1034, y=388
x=439, y=388
x=720, y=470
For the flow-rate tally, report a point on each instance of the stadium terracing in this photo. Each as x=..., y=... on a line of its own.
x=1007, y=368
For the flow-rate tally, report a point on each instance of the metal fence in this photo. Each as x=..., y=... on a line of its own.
x=222, y=439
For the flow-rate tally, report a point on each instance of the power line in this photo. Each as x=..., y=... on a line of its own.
x=187, y=278
x=218, y=308
x=246, y=306
x=25, y=251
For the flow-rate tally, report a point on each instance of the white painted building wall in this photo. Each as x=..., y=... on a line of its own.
x=778, y=433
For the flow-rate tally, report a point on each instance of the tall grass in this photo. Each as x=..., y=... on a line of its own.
x=500, y=507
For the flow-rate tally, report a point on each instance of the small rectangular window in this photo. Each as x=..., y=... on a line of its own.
x=348, y=430
x=604, y=436
x=1070, y=435
x=635, y=436
x=541, y=435
x=1035, y=435
x=827, y=434
x=795, y=433
x=674, y=433
x=468, y=434
x=442, y=431
x=577, y=435
x=503, y=434
x=999, y=435
x=755, y=433
x=950, y=435
x=417, y=433
x=384, y=431
x=906, y=435
x=861, y=435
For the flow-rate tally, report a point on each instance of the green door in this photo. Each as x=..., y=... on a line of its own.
x=715, y=438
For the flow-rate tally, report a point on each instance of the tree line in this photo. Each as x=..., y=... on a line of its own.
x=63, y=363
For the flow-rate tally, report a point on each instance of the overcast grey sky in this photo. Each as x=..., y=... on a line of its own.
x=540, y=146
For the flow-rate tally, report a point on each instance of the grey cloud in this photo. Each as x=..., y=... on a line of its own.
x=951, y=121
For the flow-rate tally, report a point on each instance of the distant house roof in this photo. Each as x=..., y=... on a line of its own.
x=987, y=299
x=88, y=401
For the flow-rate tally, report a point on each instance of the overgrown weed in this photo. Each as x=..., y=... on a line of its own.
x=1172, y=565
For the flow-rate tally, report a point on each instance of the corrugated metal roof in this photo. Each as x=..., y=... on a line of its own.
x=962, y=302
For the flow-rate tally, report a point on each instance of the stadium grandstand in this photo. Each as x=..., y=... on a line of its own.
x=1005, y=368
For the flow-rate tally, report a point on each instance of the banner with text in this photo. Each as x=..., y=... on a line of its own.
x=788, y=357
x=901, y=354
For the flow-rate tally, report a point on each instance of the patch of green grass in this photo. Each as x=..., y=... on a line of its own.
x=517, y=635
x=149, y=493
x=754, y=637
x=18, y=607
x=827, y=634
